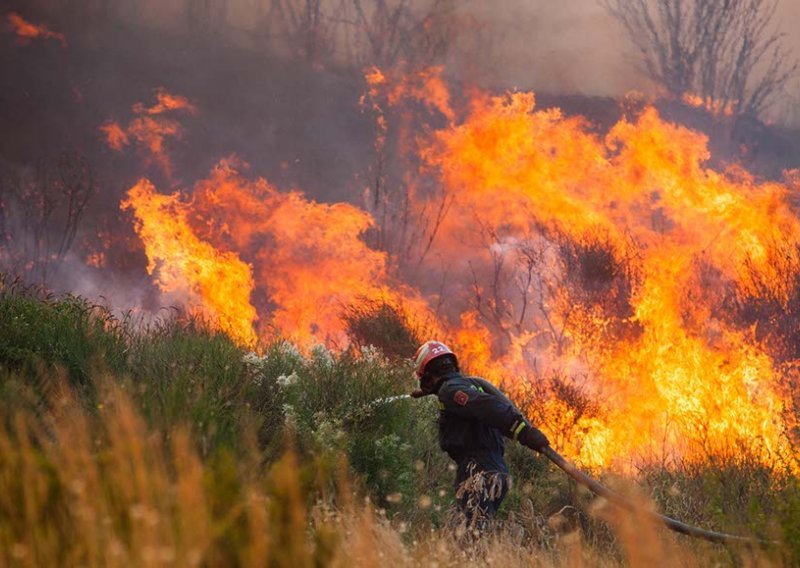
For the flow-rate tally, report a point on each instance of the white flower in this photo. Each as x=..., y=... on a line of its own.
x=287, y=380
x=328, y=433
x=288, y=413
x=371, y=354
x=286, y=348
x=255, y=366
x=322, y=354
x=252, y=359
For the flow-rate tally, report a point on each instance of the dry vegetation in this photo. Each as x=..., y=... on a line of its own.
x=727, y=52
x=166, y=445
x=163, y=443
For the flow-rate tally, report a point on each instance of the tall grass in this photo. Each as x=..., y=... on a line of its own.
x=39, y=331
x=168, y=445
x=102, y=490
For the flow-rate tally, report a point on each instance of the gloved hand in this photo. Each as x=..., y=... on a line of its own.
x=533, y=438
x=419, y=393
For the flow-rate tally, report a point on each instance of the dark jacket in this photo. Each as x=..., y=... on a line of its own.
x=474, y=416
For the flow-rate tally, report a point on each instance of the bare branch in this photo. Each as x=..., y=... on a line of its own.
x=725, y=51
x=40, y=214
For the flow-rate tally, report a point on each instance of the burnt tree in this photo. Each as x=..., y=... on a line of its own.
x=304, y=28
x=40, y=214
x=727, y=52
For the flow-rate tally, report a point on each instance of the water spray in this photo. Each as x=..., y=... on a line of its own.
x=368, y=408
x=614, y=497
x=386, y=400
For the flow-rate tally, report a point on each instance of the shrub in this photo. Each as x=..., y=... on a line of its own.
x=382, y=325
x=342, y=404
x=183, y=372
x=168, y=443
x=69, y=332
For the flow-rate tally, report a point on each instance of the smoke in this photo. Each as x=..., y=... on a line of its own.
x=298, y=122
x=118, y=291
x=573, y=47
x=787, y=110
x=484, y=211
x=577, y=47
x=560, y=47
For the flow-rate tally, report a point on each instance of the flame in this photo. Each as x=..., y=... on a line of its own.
x=715, y=107
x=215, y=284
x=166, y=102
x=425, y=85
x=587, y=271
x=96, y=259
x=27, y=31
x=677, y=386
x=308, y=259
x=150, y=129
x=116, y=137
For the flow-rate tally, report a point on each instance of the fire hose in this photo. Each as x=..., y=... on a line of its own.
x=618, y=499
x=672, y=524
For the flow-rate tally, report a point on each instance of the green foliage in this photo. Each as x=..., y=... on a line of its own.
x=41, y=331
x=183, y=372
x=239, y=409
x=338, y=405
x=788, y=500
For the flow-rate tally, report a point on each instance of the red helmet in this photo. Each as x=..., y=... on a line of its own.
x=427, y=352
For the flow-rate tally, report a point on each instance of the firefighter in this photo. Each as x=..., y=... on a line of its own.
x=474, y=417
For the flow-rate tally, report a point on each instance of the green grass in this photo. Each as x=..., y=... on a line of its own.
x=197, y=400
x=183, y=373
x=39, y=331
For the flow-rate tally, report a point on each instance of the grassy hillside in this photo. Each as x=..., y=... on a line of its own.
x=163, y=443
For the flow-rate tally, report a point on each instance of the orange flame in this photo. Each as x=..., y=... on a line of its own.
x=425, y=85
x=116, y=137
x=599, y=260
x=308, y=258
x=668, y=390
x=150, y=129
x=215, y=284
x=96, y=259
x=166, y=102
x=27, y=31
x=715, y=107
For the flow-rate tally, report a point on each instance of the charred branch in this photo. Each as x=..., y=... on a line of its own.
x=725, y=51
x=41, y=214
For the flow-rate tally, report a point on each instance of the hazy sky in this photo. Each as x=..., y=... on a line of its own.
x=571, y=46
x=577, y=47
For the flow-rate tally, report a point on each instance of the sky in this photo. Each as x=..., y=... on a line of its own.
x=575, y=46
x=559, y=47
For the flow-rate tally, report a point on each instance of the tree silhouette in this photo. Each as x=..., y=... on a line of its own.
x=725, y=51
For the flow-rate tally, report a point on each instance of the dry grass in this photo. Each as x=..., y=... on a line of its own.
x=98, y=487
x=170, y=446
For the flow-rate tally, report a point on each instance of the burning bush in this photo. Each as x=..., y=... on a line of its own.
x=599, y=282
x=382, y=325
x=771, y=306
